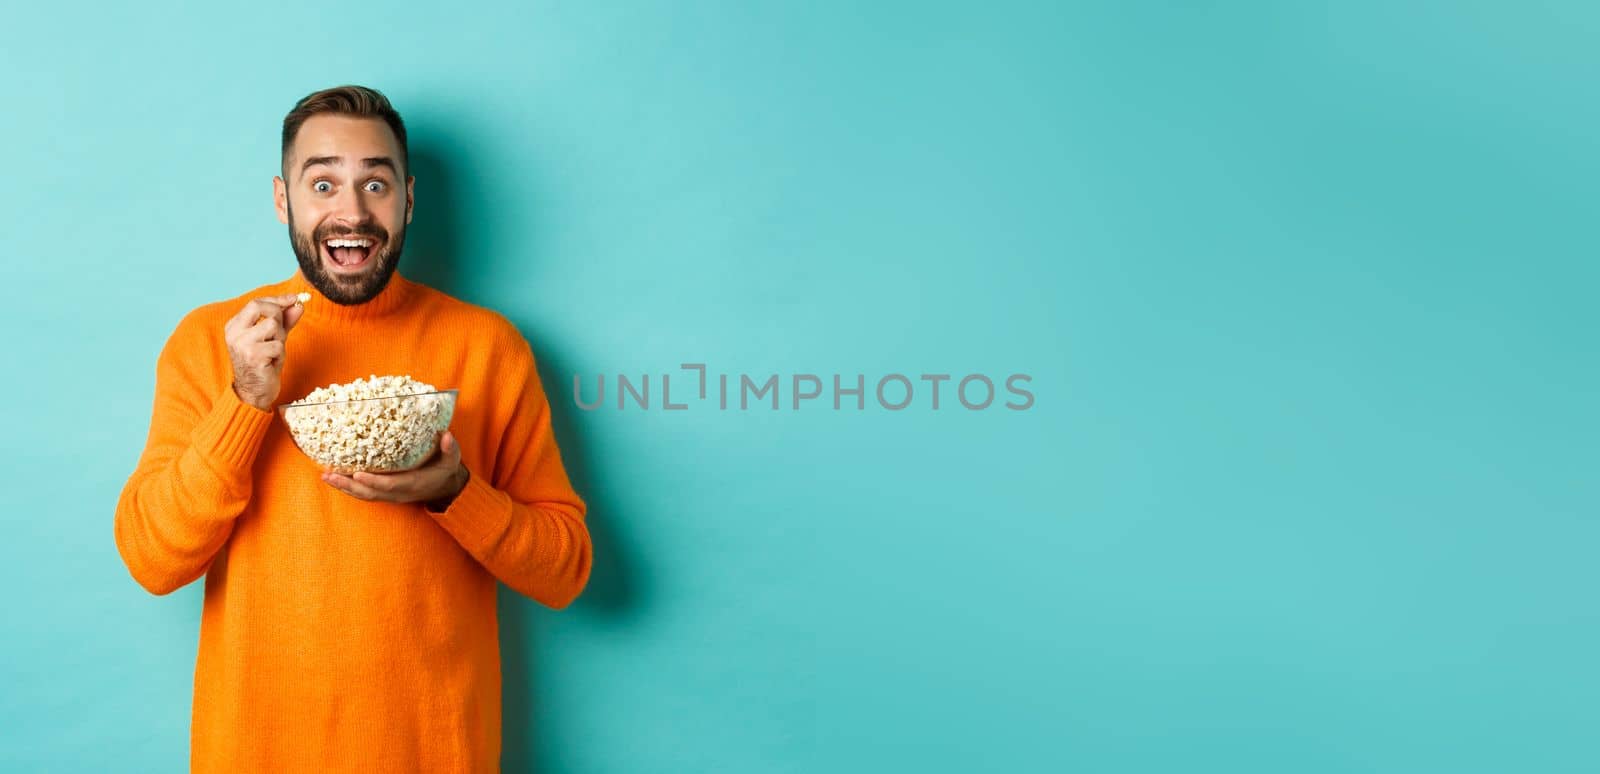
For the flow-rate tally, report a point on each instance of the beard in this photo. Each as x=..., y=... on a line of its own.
x=339, y=289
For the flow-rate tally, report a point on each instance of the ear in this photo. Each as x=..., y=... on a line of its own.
x=280, y=198
x=411, y=185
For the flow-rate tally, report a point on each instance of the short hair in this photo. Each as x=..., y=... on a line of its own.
x=348, y=100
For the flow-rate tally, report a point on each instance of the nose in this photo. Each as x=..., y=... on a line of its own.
x=350, y=209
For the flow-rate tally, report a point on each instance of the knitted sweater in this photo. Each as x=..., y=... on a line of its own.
x=339, y=634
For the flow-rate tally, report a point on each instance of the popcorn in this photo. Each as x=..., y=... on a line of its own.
x=381, y=424
x=302, y=297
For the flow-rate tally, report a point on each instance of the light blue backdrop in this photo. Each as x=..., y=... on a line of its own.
x=1306, y=292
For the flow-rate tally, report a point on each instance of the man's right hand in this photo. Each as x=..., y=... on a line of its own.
x=256, y=337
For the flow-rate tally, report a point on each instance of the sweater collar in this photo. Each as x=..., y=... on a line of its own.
x=321, y=311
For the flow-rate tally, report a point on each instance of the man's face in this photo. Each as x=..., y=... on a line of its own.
x=343, y=183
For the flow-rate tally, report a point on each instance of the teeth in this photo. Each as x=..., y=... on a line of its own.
x=349, y=243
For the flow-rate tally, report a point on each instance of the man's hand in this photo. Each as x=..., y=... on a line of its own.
x=435, y=484
x=256, y=337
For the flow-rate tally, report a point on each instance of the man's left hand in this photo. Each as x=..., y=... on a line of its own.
x=436, y=483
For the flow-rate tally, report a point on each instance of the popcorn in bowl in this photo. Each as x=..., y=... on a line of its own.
x=381, y=425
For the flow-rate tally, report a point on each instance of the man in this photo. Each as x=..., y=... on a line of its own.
x=349, y=621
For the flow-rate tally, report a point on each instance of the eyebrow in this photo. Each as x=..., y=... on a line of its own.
x=336, y=161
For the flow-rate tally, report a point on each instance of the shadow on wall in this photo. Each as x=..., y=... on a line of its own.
x=433, y=255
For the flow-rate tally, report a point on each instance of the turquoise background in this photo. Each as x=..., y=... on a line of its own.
x=1307, y=293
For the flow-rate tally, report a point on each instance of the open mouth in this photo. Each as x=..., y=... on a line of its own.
x=349, y=253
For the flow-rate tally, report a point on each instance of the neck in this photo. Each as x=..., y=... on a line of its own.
x=320, y=310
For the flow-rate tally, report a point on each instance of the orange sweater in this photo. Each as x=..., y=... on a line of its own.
x=339, y=634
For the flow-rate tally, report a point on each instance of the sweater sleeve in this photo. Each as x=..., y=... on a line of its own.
x=518, y=514
x=194, y=476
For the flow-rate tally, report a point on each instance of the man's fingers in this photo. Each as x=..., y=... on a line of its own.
x=247, y=314
x=351, y=487
x=263, y=352
x=266, y=306
x=244, y=327
x=266, y=329
x=291, y=316
x=375, y=483
x=273, y=307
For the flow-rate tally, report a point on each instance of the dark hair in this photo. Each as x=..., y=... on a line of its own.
x=358, y=101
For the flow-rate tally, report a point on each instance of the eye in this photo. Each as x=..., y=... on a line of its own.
x=319, y=186
x=379, y=183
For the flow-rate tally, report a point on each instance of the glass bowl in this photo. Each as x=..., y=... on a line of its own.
x=376, y=435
